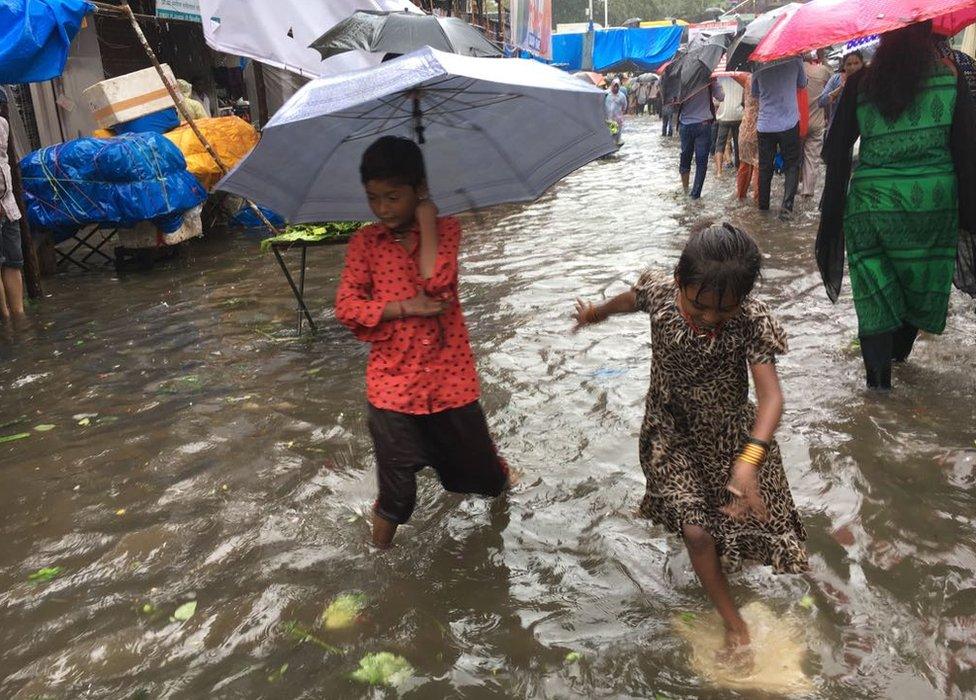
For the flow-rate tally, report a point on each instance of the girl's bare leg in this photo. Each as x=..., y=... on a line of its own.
x=704, y=558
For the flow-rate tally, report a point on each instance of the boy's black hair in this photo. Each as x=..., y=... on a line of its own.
x=396, y=159
x=721, y=259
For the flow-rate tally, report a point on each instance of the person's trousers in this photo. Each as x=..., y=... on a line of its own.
x=696, y=141
x=880, y=350
x=810, y=171
x=667, y=121
x=788, y=143
x=745, y=176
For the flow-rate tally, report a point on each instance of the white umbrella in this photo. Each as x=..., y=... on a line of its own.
x=279, y=33
x=493, y=130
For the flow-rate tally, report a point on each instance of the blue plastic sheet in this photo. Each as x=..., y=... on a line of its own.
x=119, y=181
x=35, y=36
x=246, y=218
x=619, y=48
x=158, y=123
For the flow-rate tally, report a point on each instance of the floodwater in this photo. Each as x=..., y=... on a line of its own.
x=200, y=451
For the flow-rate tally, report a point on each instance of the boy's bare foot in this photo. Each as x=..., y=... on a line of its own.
x=513, y=480
x=383, y=532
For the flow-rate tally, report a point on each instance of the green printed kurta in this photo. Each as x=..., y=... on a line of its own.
x=901, y=218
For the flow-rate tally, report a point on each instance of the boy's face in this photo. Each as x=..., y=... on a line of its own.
x=394, y=205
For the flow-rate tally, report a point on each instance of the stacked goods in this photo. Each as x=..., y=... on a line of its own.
x=119, y=181
x=231, y=137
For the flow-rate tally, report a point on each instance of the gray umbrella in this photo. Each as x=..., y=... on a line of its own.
x=403, y=32
x=758, y=28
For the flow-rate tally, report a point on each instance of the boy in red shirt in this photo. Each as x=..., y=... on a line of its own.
x=399, y=292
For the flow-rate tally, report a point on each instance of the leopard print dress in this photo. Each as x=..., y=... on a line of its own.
x=698, y=415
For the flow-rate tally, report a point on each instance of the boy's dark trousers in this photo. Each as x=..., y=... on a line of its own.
x=455, y=443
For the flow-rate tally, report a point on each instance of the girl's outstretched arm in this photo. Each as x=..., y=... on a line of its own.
x=587, y=314
x=744, y=483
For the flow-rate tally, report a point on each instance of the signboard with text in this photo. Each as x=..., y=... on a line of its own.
x=178, y=9
x=532, y=26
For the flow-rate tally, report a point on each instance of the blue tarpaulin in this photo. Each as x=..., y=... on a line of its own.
x=35, y=36
x=619, y=48
x=120, y=181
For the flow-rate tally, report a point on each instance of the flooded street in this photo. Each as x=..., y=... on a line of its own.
x=200, y=451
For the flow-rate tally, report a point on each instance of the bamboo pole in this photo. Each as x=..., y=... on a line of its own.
x=180, y=104
x=32, y=268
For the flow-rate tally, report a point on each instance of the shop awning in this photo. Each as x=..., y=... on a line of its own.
x=619, y=48
x=280, y=33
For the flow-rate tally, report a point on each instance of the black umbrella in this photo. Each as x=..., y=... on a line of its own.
x=692, y=70
x=403, y=32
x=758, y=28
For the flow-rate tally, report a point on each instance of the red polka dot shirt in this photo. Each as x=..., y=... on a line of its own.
x=416, y=365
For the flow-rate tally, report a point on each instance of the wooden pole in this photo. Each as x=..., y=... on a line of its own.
x=262, y=93
x=32, y=268
x=184, y=112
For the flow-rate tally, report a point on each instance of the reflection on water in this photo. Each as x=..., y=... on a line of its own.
x=199, y=452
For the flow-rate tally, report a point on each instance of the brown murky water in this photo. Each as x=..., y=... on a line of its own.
x=202, y=452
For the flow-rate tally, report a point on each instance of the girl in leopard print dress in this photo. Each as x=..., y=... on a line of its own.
x=714, y=473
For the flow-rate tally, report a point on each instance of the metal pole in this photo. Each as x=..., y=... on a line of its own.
x=606, y=13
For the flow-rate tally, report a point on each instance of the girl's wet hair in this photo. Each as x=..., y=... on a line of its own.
x=393, y=159
x=723, y=259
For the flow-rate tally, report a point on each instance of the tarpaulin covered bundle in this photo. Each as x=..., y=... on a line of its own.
x=119, y=181
x=619, y=48
x=231, y=137
x=35, y=36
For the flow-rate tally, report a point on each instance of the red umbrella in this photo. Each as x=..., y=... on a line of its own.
x=821, y=23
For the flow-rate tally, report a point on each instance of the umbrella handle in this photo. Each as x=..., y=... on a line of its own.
x=418, y=115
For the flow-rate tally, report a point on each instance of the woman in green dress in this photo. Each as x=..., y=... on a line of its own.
x=908, y=214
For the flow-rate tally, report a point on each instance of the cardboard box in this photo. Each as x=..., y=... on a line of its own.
x=129, y=96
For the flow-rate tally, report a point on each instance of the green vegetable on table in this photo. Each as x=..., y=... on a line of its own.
x=314, y=233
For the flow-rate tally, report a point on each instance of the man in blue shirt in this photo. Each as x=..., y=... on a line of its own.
x=695, y=117
x=775, y=85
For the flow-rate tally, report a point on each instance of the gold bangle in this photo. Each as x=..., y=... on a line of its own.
x=753, y=451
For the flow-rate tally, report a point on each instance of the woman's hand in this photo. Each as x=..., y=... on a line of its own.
x=746, y=498
x=423, y=305
x=585, y=314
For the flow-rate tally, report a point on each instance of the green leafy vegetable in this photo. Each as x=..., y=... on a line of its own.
x=16, y=436
x=573, y=656
x=304, y=635
x=337, y=231
x=276, y=675
x=344, y=610
x=44, y=427
x=185, y=611
x=383, y=669
x=688, y=617
x=807, y=602
x=48, y=573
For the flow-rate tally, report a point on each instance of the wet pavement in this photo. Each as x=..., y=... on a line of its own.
x=200, y=451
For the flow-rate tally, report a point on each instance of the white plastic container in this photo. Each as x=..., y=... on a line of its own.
x=129, y=96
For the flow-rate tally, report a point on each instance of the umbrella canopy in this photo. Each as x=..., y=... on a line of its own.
x=492, y=132
x=692, y=71
x=648, y=78
x=756, y=30
x=591, y=77
x=821, y=23
x=403, y=32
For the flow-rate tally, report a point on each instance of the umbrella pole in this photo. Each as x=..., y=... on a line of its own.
x=418, y=119
x=178, y=99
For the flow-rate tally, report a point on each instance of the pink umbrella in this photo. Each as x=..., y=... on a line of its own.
x=821, y=23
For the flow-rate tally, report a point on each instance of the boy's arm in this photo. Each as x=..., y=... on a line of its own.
x=355, y=307
x=440, y=242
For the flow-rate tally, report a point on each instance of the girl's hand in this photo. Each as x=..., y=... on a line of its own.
x=746, y=497
x=585, y=314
